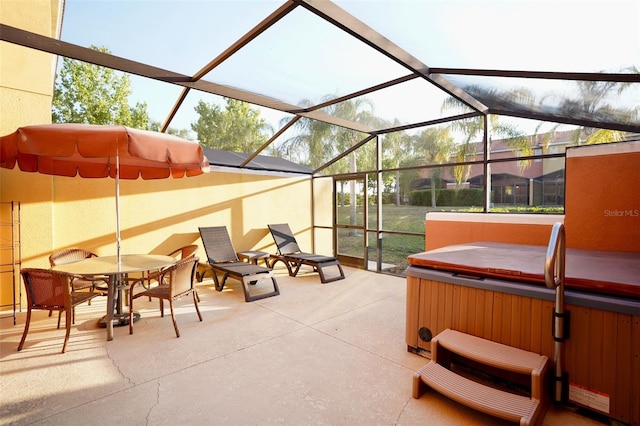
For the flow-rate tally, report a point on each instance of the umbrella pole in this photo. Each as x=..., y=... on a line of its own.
x=114, y=280
x=118, y=207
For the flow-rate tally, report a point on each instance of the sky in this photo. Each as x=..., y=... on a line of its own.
x=303, y=58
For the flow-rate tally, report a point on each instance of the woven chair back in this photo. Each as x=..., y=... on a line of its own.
x=181, y=276
x=284, y=239
x=46, y=289
x=218, y=245
x=65, y=256
x=185, y=252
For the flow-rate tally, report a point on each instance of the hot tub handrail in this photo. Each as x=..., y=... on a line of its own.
x=554, y=263
x=554, y=279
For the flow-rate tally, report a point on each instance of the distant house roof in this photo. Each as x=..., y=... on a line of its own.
x=261, y=162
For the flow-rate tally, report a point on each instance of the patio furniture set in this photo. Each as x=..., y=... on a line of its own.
x=77, y=276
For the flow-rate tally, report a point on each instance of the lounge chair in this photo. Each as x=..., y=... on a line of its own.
x=223, y=259
x=290, y=254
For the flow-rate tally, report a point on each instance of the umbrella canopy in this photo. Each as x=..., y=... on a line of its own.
x=90, y=151
x=96, y=151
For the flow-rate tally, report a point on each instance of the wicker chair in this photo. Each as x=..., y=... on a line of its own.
x=175, y=281
x=185, y=252
x=51, y=290
x=62, y=257
x=180, y=253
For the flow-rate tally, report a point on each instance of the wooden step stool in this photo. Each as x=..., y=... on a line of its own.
x=490, y=400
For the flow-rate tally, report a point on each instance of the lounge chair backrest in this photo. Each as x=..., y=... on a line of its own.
x=284, y=238
x=217, y=244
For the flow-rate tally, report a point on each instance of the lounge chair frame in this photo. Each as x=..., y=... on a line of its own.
x=293, y=258
x=223, y=259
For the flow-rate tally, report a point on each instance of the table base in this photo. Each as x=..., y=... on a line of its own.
x=119, y=320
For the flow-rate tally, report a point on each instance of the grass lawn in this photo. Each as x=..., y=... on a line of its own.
x=395, y=247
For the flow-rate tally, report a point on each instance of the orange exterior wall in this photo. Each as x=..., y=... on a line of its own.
x=603, y=197
x=26, y=91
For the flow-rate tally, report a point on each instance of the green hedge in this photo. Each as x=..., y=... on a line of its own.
x=447, y=197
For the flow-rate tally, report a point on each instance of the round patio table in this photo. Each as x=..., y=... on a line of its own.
x=108, y=265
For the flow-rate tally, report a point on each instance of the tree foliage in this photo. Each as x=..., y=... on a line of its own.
x=156, y=126
x=591, y=100
x=237, y=127
x=435, y=145
x=312, y=142
x=91, y=94
x=316, y=142
x=472, y=130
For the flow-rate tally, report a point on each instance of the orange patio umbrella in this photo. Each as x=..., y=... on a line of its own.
x=97, y=151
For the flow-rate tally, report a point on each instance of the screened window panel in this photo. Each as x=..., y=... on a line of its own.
x=165, y=34
x=598, y=101
x=594, y=37
x=410, y=102
x=534, y=187
x=297, y=61
x=360, y=160
x=396, y=248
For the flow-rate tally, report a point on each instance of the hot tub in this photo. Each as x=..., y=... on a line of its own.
x=497, y=291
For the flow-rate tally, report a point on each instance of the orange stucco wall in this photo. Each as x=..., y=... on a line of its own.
x=603, y=197
x=26, y=89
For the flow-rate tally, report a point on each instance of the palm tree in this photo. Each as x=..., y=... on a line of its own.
x=591, y=102
x=311, y=141
x=398, y=147
x=435, y=144
x=473, y=128
x=322, y=140
x=359, y=110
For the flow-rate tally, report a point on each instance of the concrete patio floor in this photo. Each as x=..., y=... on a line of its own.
x=317, y=354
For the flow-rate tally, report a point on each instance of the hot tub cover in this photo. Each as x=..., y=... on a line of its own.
x=613, y=273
